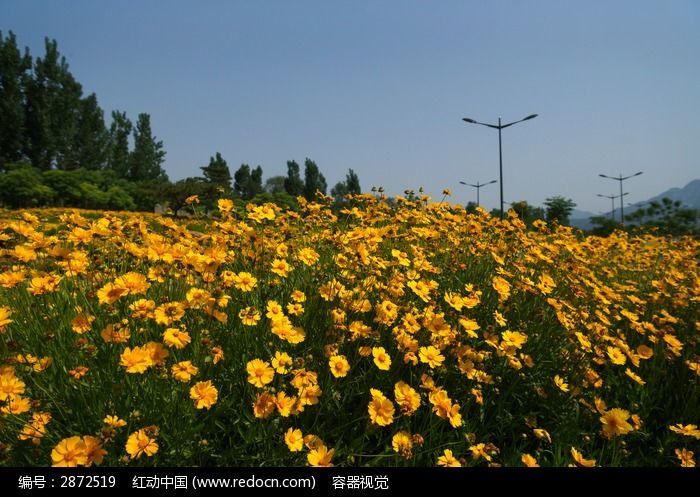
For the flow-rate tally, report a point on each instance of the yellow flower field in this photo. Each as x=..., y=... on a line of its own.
x=417, y=335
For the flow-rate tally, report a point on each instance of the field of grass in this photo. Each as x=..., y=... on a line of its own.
x=408, y=336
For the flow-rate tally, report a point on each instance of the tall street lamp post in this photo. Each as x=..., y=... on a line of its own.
x=611, y=197
x=621, y=179
x=478, y=187
x=499, y=127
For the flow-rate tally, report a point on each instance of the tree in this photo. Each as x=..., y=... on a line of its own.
x=603, y=225
x=217, y=173
x=146, y=160
x=352, y=183
x=118, y=155
x=275, y=184
x=667, y=217
x=241, y=180
x=91, y=141
x=21, y=185
x=184, y=188
x=526, y=212
x=559, y=209
x=248, y=183
x=351, y=186
x=51, y=109
x=313, y=180
x=293, y=183
x=255, y=186
x=14, y=69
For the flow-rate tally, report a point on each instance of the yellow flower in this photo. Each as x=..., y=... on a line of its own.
x=204, y=394
x=284, y=403
x=308, y=256
x=561, y=384
x=249, y=316
x=114, y=421
x=580, y=460
x=402, y=442
x=502, y=287
x=381, y=410
x=381, y=358
x=245, y=282
x=280, y=267
x=10, y=386
x=81, y=323
x=447, y=460
x=542, y=434
x=615, y=422
x=431, y=356
x=259, y=373
x=529, y=461
x=169, y=313
x=282, y=362
x=176, y=338
x=616, y=356
x=406, y=397
x=93, y=450
x=16, y=405
x=140, y=443
x=294, y=440
x=5, y=313
x=110, y=293
x=264, y=405
x=320, y=456
x=69, y=452
x=686, y=458
x=225, y=205
x=184, y=371
x=339, y=366
x=687, y=430
x=136, y=360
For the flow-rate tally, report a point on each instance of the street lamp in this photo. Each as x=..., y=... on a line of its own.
x=478, y=187
x=621, y=179
x=499, y=127
x=612, y=197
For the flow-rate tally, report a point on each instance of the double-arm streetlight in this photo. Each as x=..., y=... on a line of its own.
x=611, y=197
x=621, y=179
x=478, y=187
x=499, y=127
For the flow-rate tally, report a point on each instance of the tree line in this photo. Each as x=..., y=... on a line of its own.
x=56, y=149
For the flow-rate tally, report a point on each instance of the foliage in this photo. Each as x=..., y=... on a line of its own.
x=293, y=183
x=406, y=336
x=666, y=217
x=559, y=209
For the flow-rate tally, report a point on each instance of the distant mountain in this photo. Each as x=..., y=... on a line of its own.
x=689, y=195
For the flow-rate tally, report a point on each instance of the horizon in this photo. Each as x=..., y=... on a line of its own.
x=383, y=88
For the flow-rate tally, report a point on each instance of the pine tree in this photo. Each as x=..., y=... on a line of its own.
x=217, y=173
x=14, y=69
x=119, y=131
x=146, y=160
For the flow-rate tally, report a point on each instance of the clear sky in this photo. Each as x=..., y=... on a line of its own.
x=382, y=86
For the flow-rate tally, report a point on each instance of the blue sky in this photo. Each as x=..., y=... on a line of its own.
x=381, y=87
